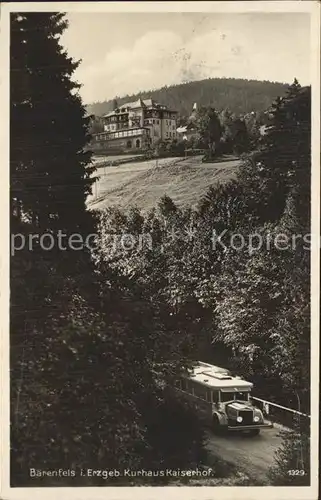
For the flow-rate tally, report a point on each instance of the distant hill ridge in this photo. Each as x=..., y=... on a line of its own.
x=238, y=95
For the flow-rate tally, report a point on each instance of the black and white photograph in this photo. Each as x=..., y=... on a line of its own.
x=163, y=168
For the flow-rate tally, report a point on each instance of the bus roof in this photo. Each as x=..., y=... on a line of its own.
x=215, y=377
x=215, y=368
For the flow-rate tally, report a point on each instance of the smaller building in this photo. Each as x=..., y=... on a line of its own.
x=189, y=131
x=186, y=133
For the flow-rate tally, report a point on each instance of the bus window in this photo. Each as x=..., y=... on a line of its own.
x=200, y=391
x=209, y=396
x=232, y=396
x=215, y=396
x=242, y=396
x=227, y=396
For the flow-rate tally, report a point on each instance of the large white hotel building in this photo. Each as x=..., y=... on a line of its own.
x=136, y=125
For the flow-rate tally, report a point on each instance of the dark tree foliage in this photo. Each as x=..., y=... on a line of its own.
x=47, y=126
x=292, y=461
x=251, y=303
x=240, y=137
x=281, y=164
x=96, y=124
x=209, y=129
x=164, y=418
x=240, y=96
x=167, y=206
x=50, y=179
x=236, y=134
x=250, y=306
x=85, y=339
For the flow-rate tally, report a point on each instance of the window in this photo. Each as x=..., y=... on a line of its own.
x=129, y=144
x=227, y=396
x=231, y=396
x=157, y=122
x=200, y=391
x=208, y=395
x=241, y=396
x=137, y=143
x=153, y=122
x=215, y=396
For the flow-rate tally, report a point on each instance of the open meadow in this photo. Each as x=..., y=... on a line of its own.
x=143, y=183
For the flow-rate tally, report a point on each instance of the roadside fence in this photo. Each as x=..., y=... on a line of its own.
x=276, y=413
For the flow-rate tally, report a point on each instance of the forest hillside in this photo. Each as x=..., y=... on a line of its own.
x=240, y=96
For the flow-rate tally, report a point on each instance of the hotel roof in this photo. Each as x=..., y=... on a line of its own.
x=148, y=103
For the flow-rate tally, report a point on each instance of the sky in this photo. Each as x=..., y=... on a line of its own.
x=124, y=53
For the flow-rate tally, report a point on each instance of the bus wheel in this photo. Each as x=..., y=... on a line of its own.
x=254, y=432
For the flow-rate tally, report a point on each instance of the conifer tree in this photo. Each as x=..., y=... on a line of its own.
x=50, y=172
x=273, y=171
x=209, y=128
x=50, y=179
x=84, y=340
x=166, y=206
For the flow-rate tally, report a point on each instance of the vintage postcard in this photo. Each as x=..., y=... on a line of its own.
x=160, y=259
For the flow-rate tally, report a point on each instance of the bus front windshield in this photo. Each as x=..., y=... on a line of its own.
x=234, y=396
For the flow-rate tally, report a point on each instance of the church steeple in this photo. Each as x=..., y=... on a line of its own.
x=193, y=115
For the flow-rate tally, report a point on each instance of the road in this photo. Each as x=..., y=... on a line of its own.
x=252, y=455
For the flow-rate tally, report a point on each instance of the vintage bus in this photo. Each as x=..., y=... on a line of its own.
x=224, y=400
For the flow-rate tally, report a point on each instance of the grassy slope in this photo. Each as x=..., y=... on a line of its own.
x=143, y=183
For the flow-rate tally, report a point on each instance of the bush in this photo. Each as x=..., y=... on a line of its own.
x=292, y=461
